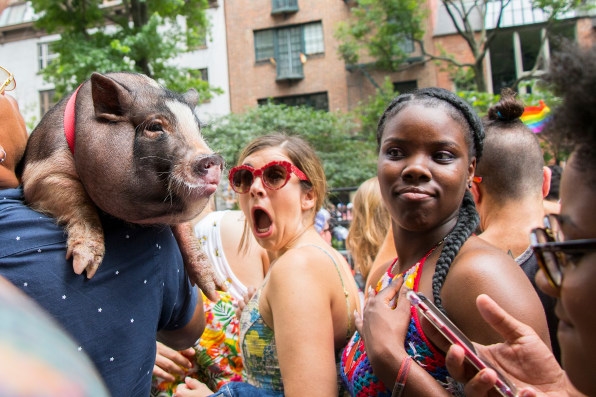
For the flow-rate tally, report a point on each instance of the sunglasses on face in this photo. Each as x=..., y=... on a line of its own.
x=8, y=81
x=274, y=175
x=553, y=252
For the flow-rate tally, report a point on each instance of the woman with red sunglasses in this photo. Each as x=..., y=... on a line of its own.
x=566, y=251
x=293, y=329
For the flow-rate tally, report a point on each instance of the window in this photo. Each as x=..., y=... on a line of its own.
x=46, y=101
x=284, y=6
x=264, y=45
x=15, y=14
x=403, y=87
x=313, y=39
x=513, y=54
x=204, y=74
x=287, y=47
x=45, y=54
x=318, y=101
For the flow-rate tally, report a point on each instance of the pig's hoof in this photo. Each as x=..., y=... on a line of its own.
x=86, y=257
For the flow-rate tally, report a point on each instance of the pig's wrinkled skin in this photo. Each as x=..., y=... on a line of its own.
x=139, y=155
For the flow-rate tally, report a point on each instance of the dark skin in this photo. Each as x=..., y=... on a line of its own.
x=424, y=167
x=523, y=358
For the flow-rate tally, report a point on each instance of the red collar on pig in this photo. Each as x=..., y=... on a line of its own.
x=69, y=120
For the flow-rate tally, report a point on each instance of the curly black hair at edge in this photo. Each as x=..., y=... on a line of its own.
x=572, y=76
x=468, y=218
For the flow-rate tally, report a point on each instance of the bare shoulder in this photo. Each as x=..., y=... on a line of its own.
x=481, y=268
x=304, y=260
x=299, y=275
x=479, y=259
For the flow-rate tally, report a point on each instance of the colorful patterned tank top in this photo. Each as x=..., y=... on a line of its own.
x=257, y=343
x=356, y=371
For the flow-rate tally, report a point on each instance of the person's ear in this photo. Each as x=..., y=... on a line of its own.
x=471, y=171
x=546, y=178
x=309, y=200
x=477, y=193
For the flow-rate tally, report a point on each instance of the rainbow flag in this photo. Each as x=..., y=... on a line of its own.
x=535, y=116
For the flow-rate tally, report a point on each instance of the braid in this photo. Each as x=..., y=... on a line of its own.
x=467, y=222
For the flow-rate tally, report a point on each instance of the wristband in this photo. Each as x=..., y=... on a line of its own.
x=402, y=375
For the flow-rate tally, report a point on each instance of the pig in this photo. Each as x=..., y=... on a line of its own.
x=125, y=145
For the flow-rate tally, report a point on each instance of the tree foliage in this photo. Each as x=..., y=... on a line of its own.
x=347, y=158
x=379, y=29
x=134, y=35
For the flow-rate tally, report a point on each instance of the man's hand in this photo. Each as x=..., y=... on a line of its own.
x=170, y=363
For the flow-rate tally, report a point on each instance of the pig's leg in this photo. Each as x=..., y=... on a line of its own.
x=62, y=195
x=197, y=263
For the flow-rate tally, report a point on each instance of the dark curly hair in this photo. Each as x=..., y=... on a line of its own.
x=468, y=218
x=572, y=76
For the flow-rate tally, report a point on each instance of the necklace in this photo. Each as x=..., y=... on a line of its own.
x=411, y=273
x=430, y=251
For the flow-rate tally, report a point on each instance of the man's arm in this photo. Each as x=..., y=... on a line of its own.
x=186, y=336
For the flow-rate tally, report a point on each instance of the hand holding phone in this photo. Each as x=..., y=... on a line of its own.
x=455, y=336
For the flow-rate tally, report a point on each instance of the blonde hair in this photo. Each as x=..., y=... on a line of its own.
x=370, y=225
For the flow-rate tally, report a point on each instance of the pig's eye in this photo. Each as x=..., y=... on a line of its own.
x=155, y=127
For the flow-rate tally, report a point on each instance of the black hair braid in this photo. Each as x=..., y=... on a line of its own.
x=467, y=221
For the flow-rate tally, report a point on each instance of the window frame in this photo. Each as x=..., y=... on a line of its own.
x=269, y=43
x=45, y=55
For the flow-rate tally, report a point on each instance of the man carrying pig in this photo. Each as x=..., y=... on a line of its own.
x=140, y=289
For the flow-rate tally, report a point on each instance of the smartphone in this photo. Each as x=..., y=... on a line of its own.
x=455, y=336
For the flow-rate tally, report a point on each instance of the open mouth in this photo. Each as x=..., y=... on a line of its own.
x=262, y=221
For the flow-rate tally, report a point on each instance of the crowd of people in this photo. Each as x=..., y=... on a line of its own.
x=461, y=210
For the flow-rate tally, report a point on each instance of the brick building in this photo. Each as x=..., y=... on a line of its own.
x=285, y=50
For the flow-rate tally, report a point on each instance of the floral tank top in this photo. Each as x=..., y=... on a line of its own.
x=356, y=371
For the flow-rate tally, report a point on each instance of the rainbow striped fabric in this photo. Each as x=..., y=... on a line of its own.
x=536, y=116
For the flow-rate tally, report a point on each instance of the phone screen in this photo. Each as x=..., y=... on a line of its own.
x=455, y=336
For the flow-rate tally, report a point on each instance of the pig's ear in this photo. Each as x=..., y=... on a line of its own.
x=110, y=99
x=192, y=97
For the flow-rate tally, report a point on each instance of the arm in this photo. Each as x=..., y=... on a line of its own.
x=186, y=336
x=386, y=354
x=523, y=358
x=299, y=297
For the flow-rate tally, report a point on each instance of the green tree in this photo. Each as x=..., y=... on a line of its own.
x=380, y=29
x=347, y=158
x=133, y=35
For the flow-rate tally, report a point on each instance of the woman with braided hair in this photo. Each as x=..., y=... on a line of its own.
x=429, y=142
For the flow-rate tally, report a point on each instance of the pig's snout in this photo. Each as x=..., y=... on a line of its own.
x=202, y=165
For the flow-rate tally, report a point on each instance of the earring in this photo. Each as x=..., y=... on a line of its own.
x=469, y=185
x=2, y=155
